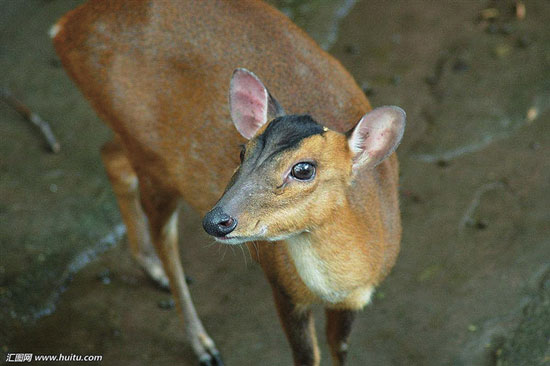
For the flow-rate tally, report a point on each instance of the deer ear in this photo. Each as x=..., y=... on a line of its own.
x=376, y=136
x=251, y=104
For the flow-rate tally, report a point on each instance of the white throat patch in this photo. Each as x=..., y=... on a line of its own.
x=312, y=269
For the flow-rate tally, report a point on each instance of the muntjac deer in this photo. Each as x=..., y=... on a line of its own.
x=320, y=179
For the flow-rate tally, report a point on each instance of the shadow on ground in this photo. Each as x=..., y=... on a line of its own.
x=471, y=283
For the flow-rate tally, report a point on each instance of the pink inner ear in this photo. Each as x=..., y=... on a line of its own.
x=249, y=103
x=377, y=135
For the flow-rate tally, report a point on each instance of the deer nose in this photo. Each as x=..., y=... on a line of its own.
x=217, y=223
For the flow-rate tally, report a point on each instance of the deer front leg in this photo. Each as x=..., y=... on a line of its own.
x=299, y=328
x=338, y=329
x=161, y=209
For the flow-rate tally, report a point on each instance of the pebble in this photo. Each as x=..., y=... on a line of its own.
x=396, y=80
x=167, y=304
x=532, y=114
x=431, y=80
x=367, y=89
x=189, y=280
x=492, y=28
x=104, y=276
x=506, y=29
x=502, y=50
x=481, y=225
x=489, y=13
x=520, y=10
x=443, y=163
x=415, y=198
x=523, y=42
x=351, y=49
x=461, y=65
x=396, y=38
x=55, y=63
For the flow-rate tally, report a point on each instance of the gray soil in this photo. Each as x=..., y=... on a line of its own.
x=472, y=282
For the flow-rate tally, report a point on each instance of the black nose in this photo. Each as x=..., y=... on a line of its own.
x=217, y=223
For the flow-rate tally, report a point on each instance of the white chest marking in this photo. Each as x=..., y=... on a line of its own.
x=313, y=270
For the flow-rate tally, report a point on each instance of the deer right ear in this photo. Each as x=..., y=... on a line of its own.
x=251, y=104
x=376, y=136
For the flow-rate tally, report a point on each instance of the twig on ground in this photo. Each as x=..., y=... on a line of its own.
x=32, y=117
x=468, y=217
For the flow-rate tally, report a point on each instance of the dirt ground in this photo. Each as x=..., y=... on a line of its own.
x=472, y=282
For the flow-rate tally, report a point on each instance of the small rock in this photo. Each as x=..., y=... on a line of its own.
x=167, y=304
x=396, y=38
x=506, y=29
x=396, y=80
x=367, y=89
x=489, y=13
x=534, y=145
x=428, y=273
x=460, y=65
x=415, y=198
x=520, y=10
x=431, y=80
x=442, y=163
x=532, y=114
x=480, y=225
x=502, y=50
x=492, y=28
x=55, y=63
x=523, y=42
x=104, y=276
x=189, y=280
x=351, y=49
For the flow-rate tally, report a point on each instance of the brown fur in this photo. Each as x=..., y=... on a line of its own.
x=343, y=215
x=157, y=72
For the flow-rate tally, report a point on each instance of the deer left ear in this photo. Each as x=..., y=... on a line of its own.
x=251, y=104
x=376, y=136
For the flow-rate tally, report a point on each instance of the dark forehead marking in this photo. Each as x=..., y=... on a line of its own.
x=286, y=132
x=283, y=133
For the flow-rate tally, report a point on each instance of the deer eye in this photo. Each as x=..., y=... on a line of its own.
x=303, y=171
x=243, y=151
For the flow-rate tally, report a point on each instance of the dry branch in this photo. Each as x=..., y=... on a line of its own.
x=32, y=117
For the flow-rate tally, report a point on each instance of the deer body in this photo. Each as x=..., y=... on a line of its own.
x=157, y=72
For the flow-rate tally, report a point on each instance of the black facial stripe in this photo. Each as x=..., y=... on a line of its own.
x=283, y=133
x=286, y=132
